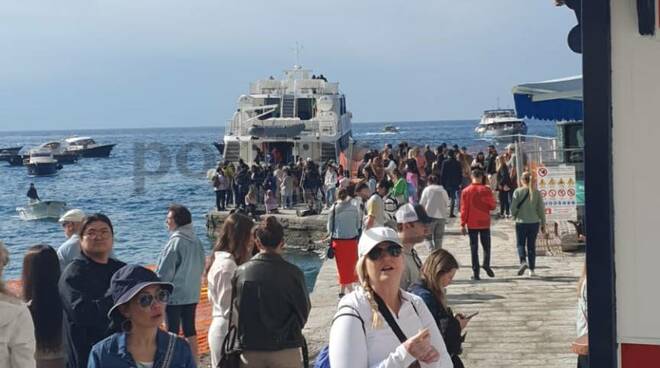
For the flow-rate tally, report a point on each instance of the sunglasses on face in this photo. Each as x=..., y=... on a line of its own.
x=393, y=249
x=147, y=300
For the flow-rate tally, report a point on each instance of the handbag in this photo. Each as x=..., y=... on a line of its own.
x=231, y=355
x=382, y=308
x=330, y=253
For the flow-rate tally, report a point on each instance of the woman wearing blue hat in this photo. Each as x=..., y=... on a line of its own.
x=139, y=299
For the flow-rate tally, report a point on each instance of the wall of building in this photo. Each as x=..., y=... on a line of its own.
x=636, y=139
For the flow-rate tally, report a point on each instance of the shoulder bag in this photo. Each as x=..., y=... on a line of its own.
x=169, y=353
x=231, y=355
x=523, y=200
x=382, y=308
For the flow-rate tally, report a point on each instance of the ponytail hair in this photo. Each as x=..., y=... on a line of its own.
x=526, y=178
x=270, y=232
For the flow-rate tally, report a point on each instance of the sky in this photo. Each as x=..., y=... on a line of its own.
x=87, y=64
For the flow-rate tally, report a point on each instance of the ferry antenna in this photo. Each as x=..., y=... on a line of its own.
x=297, y=50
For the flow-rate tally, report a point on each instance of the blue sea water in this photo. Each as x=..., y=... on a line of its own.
x=151, y=168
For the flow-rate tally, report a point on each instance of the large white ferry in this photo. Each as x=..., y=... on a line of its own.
x=500, y=122
x=301, y=115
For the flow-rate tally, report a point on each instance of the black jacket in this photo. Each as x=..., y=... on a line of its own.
x=451, y=173
x=82, y=287
x=491, y=164
x=273, y=305
x=503, y=178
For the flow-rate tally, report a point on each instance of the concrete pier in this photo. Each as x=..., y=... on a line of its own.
x=522, y=322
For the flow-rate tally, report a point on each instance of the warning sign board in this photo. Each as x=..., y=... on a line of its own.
x=557, y=187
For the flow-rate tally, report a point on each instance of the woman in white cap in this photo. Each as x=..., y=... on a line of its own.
x=139, y=298
x=16, y=327
x=380, y=324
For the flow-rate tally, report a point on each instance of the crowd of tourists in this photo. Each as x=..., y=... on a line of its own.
x=83, y=307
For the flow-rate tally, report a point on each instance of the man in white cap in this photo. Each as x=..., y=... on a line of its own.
x=412, y=222
x=71, y=222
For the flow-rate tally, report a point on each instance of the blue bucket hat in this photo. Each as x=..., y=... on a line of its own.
x=128, y=281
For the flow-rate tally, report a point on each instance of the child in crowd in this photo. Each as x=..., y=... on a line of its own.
x=270, y=202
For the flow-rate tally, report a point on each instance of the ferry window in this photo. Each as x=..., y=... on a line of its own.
x=305, y=108
x=342, y=106
x=274, y=114
x=575, y=136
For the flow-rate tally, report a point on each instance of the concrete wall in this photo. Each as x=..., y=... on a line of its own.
x=636, y=132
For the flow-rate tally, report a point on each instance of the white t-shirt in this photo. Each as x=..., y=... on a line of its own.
x=376, y=208
x=351, y=346
x=435, y=201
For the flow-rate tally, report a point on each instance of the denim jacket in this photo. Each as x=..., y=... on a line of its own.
x=113, y=352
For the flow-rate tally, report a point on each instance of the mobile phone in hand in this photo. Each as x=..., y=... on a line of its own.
x=471, y=315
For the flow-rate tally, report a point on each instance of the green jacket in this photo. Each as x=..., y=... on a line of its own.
x=532, y=210
x=400, y=191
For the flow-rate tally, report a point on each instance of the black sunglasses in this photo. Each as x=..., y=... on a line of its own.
x=393, y=249
x=147, y=300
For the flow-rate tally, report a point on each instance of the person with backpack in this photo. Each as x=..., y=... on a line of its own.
x=365, y=333
x=528, y=210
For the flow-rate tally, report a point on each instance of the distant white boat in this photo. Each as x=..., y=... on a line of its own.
x=500, y=122
x=390, y=129
x=42, y=210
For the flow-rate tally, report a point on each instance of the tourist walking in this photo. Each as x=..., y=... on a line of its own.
x=437, y=273
x=435, y=201
x=272, y=302
x=233, y=248
x=330, y=183
x=399, y=190
x=364, y=331
x=41, y=271
x=451, y=177
x=139, y=299
x=181, y=263
x=491, y=166
x=344, y=227
x=581, y=345
x=375, y=206
x=359, y=199
x=504, y=187
x=16, y=328
x=412, y=222
x=476, y=203
x=83, y=287
x=71, y=223
x=412, y=180
x=529, y=212
x=311, y=183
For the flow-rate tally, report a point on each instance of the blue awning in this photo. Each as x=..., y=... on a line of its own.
x=559, y=99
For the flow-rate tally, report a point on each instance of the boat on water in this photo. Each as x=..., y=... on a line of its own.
x=87, y=147
x=59, y=151
x=390, y=129
x=296, y=116
x=40, y=210
x=499, y=123
x=42, y=163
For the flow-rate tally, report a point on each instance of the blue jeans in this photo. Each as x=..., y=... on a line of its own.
x=330, y=195
x=526, y=241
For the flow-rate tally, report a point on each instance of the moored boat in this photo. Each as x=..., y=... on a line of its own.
x=42, y=163
x=59, y=152
x=298, y=116
x=87, y=147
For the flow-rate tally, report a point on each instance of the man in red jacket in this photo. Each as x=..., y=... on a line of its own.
x=476, y=203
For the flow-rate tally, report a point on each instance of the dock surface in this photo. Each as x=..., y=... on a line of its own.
x=522, y=321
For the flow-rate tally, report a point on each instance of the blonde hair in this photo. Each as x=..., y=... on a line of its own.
x=527, y=179
x=361, y=270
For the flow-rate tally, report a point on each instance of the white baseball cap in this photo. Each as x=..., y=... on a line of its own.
x=412, y=213
x=74, y=215
x=374, y=236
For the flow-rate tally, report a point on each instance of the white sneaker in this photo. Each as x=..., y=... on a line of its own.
x=531, y=273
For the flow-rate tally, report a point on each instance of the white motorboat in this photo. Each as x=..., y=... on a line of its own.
x=59, y=151
x=390, y=129
x=87, y=147
x=42, y=163
x=500, y=122
x=42, y=210
x=297, y=116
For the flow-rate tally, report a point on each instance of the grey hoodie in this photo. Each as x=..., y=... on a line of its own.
x=182, y=263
